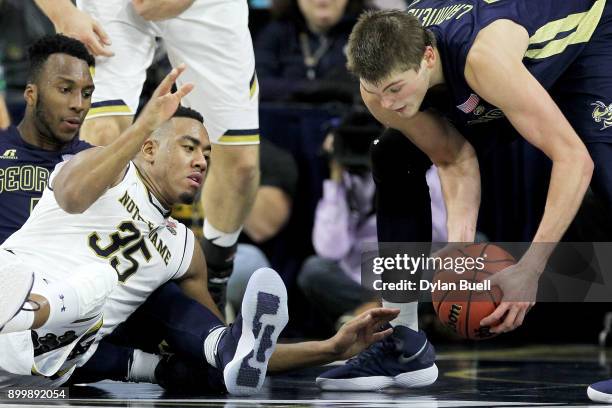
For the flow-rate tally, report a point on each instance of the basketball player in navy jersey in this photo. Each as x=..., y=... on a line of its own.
x=58, y=97
x=545, y=67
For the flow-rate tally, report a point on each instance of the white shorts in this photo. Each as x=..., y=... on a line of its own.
x=45, y=357
x=211, y=37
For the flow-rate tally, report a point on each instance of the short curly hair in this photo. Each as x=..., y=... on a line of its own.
x=40, y=51
x=185, y=112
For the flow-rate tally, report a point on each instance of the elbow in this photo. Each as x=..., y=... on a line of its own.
x=70, y=201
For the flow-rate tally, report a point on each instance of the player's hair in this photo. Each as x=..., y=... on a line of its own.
x=386, y=41
x=40, y=51
x=185, y=112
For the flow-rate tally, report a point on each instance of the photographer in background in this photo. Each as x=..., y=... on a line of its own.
x=344, y=220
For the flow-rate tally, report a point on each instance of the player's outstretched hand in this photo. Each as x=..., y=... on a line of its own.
x=78, y=24
x=519, y=286
x=163, y=102
x=360, y=332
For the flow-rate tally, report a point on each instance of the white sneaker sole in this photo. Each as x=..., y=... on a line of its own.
x=16, y=284
x=598, y=396
x=412, y=379
x=266, y=294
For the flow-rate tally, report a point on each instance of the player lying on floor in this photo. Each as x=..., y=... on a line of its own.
x=109, y=213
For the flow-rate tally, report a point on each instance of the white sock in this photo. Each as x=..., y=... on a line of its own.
x=220, y=238
x=408, y=315
x=22, y=321
x=210, y=344
x=142, y=367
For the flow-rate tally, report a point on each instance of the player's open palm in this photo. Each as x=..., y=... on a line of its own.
x=362, y=331
x=519, y=287
x=164, y=102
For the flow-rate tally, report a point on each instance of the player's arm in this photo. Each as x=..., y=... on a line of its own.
x=352, y=338
x=82, y=180
x=72, y=22
x=154, y=10
x=194, y=282
x=452, y=154
x=495, y=71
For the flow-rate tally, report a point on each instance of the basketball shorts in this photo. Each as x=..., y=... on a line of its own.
x=211, y=37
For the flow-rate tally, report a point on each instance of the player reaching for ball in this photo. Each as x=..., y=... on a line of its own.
x=543, y=66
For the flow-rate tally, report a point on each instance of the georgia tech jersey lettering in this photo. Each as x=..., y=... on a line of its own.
x=126, y=228
x=24, y=173
x=558, y=31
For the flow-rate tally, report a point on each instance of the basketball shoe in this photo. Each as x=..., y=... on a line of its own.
x=600, y=391
x=15, y=288
x=404, y=359
x=244, y=349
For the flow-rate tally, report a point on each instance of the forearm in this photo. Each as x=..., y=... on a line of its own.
x=84, y=181
x=56, y=10
x=299, y=355
x=460, y=182
x=569, y=181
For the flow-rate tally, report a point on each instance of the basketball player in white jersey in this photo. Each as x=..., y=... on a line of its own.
x=108, y=208
x=213, y=39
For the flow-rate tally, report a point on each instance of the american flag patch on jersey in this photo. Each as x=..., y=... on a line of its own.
x=470, y=104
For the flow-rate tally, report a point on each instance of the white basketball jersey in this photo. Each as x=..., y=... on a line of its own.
x=126, y=227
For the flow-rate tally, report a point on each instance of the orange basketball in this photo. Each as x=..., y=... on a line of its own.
x=462, y=300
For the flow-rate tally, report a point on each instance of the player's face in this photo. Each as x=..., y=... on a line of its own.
x=402, y=92
x=182, y=160
x=322, y=14
x=62, y=96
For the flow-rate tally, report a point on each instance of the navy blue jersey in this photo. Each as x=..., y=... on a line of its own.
x=24, y=173
x=559, y=30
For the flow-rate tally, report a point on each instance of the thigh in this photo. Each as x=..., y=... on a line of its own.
x=119, y=79
x=222, y=67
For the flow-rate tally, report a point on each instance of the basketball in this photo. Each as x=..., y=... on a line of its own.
x=461, y=298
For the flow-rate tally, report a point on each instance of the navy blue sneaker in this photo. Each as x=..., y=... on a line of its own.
x=246, y=346
x=600, y=391
x=404, y=359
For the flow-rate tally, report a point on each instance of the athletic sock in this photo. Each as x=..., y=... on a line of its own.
x=142, y=367
x=220, y=238
x=408, y=315
x=211, y=343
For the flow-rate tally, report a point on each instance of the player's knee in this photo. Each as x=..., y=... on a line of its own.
x=94, y=283
x=104, y=130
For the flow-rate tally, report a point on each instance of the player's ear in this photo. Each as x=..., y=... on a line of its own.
x=30, y=94
x=429, y=56
x=149, y=150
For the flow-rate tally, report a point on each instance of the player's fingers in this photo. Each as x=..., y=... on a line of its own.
x=165, y=85
x=184, y=90
x=101, y=33
x=93, y=46
x=496, y=316
x=381, y=335
x=508, y=323
x=383, y=312
x=520, y=318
